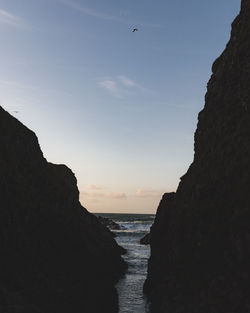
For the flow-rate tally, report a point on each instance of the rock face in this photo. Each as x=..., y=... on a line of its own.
x=201, y=236
x=109, y=223
x=146, y=239
x=55, y=255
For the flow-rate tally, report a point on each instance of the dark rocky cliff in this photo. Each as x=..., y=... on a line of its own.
x=200, y=245
x=55, y=256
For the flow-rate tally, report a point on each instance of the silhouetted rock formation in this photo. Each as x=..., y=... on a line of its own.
x=146, y=239
x=201, y=236
x=108, y=223
x=55, y=256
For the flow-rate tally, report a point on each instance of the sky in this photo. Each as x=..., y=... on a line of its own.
x=118, y=107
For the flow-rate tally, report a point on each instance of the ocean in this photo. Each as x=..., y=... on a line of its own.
x=133, y=228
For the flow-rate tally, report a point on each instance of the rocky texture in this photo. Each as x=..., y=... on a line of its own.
x=201, y=236
x=55, y=256
x=146, y=239
x=108, y=223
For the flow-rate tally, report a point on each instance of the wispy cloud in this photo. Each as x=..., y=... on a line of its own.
x=9, y=19
x=17, y=85
x=121, y=85
x=110, y=85
x=149, y=193
x=128, y=82
x=93, y=187
x=88, y=11
x=104, y=16
x=96, y=192
x=106, y=195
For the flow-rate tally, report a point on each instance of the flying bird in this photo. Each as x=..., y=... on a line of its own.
x=135, y=30
x=16, y=111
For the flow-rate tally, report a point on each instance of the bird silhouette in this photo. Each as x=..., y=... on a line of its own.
x=135, y=30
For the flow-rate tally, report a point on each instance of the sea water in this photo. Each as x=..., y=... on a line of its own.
x=133, y=228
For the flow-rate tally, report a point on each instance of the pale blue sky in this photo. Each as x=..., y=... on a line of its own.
x=119, y=108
